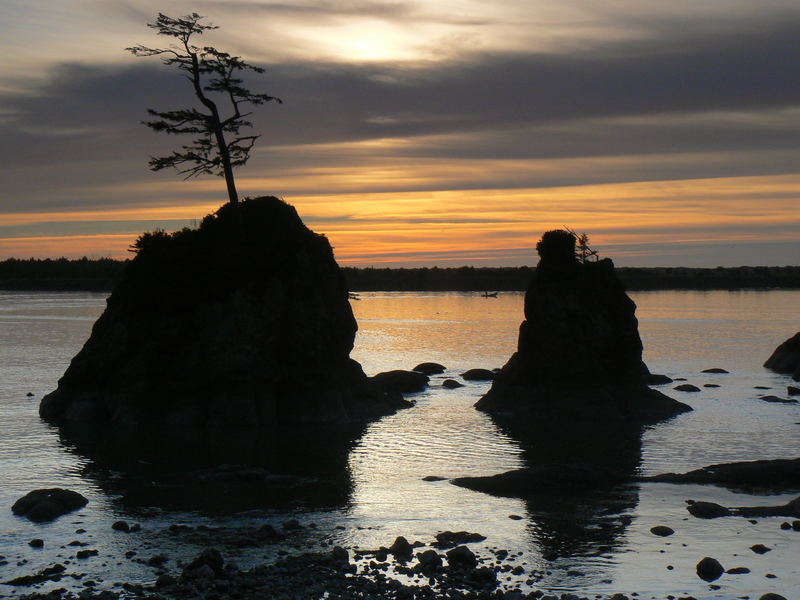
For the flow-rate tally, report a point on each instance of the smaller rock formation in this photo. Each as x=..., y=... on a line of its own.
x=48, y=504
x=786, y=358
x=579, y=353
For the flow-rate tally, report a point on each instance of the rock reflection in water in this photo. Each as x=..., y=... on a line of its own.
x=572, y=515
x=218, y=471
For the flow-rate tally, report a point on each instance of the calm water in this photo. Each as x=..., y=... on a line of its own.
x=372, y=490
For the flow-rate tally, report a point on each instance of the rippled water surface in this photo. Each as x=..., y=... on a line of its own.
x=365, y=487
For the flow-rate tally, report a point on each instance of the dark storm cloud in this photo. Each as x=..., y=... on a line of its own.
x=393, y=12
x=617, y=98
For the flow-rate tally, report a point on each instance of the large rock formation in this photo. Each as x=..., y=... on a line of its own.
x=242, y=321
x=579, y=353
x=786, y=358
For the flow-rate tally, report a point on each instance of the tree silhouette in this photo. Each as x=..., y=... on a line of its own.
x=219, y=147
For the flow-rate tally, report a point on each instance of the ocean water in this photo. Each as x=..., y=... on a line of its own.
x=363, y=487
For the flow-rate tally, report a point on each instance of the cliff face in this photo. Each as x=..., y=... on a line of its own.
x=786, y=358
x=244, y=321
x=579, y=353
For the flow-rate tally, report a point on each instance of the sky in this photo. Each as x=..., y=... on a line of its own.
x=421, y=133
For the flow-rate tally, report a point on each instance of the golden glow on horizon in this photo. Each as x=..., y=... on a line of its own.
x=479, y=224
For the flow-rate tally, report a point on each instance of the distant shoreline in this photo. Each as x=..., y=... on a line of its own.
x=101, y=275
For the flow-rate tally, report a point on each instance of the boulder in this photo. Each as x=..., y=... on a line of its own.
x=478, y=375
x=399, y=381
x=579, y=354
x=429, y=368
x=662, y=531
x=451, y=384
x=715, y=370
x=48, y=504
x=793, y=390
x=786, y=358
x=243, y=321
x=709, y=569
x=686, y=387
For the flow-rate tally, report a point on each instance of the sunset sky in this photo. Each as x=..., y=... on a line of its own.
x=413, y=133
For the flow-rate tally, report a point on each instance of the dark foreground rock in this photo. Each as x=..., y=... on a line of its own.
x=48, y=504
x=244, y=321
x=786, y=358
x=579, y=353
x=522, y=483
x=779, y=474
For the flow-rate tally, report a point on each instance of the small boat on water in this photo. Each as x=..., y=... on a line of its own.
x=490, y=294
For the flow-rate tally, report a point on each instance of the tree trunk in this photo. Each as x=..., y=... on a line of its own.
x=227, y=170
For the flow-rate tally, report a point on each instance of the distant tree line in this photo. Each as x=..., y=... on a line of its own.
x=102, y=274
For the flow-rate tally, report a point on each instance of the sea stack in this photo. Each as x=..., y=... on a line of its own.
x=786, y=358
x=243, y=321
x=579, y=354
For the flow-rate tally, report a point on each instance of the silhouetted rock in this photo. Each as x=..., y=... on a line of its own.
x=449, y=539
x=451, y=384
x=429, y=368
x=461, y=557
x=579, y=354
x=709, y=569
x=48, y=504
x=244, y=321
x=686, y=387
x=662, y=530
x=521, y=483
x=478, y=375
x=656, y=379
x=715, y=370
x=786, y=358
x=400, y=381
x=792, y=390
x=778, y=399
x=772, y=474
x=707, y=510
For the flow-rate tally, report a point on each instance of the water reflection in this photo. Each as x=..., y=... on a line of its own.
x=578, y=518
x=218, y=471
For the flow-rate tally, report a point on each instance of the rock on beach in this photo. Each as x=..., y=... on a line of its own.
x=48, y=504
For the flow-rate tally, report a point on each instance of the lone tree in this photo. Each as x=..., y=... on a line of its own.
x=219, y=147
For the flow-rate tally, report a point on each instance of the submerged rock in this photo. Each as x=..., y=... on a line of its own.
x=579, y=353
x=772, y=474
x=48, y=504
x=786, y=358
x=521, y=483
x=244, y=321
